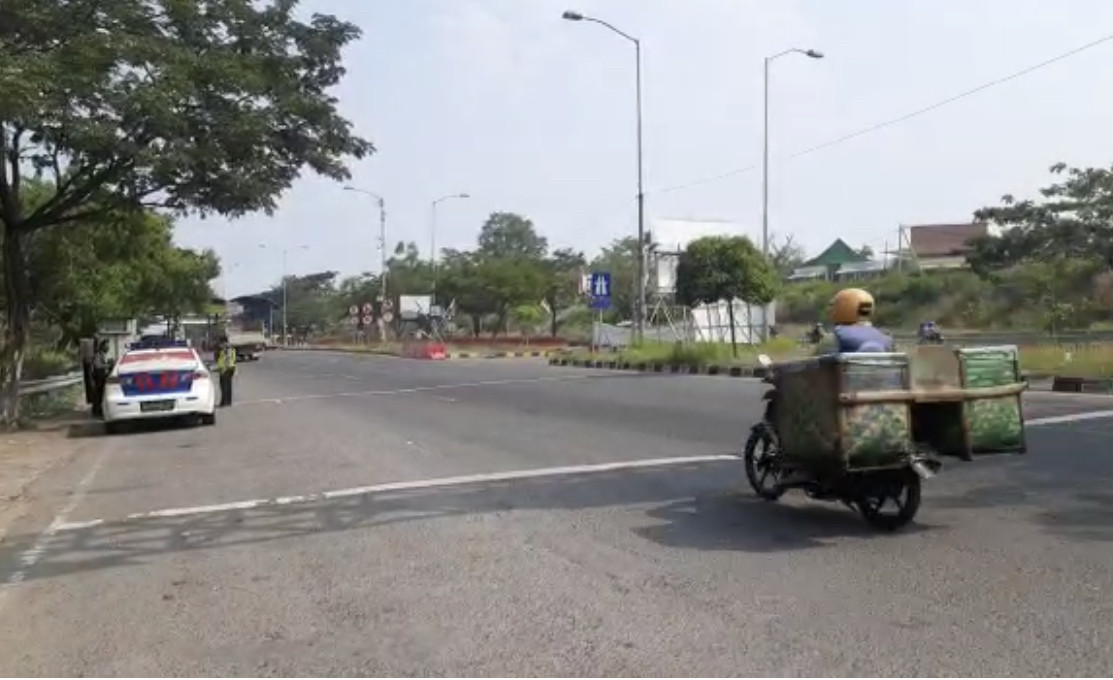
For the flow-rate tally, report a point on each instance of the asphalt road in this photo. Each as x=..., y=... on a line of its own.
x=510, y=568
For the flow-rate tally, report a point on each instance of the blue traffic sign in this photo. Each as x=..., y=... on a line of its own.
x=600, y=290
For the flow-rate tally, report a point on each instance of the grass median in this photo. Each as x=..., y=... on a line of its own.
x=1079, y=361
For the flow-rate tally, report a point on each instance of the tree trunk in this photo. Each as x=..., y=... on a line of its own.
x=733, y=329
x=553, y=325
x=476, y=325
x=17, y=327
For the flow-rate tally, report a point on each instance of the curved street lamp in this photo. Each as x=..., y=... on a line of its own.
x=639, y=311
x=433, y=237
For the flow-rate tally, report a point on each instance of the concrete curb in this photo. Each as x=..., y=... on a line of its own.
x=500, y=355
x=1075, y=385
x=449, y=355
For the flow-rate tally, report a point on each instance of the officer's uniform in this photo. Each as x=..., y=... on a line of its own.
x=100, y=378
x=226, y=367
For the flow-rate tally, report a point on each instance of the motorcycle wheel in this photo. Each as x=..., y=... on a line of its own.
x=762, y=465
x=901, y=494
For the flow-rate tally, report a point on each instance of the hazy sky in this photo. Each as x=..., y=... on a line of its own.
x=531, y=114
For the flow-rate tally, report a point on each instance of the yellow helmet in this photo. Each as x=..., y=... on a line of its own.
x=851, y=305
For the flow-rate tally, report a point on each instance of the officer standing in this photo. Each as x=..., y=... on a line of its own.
x=226, y=367
x=100, y=377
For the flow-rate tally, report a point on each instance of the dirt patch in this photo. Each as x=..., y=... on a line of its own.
x=24, y=458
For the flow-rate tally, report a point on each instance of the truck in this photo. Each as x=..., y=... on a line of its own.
x=249, y=345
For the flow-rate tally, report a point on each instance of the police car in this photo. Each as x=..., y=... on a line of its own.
x=159, y=380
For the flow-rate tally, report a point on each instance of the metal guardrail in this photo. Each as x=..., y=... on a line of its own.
x=51, y=384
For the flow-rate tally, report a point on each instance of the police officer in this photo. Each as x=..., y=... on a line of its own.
x=100, y=377
x=226, y=367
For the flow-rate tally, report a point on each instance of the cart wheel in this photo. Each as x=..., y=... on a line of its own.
x=763, y=468
x=893, y=503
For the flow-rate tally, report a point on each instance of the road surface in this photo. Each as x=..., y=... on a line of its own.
x=377, y=516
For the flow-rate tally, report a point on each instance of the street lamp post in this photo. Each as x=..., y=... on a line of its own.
x=813, y=54
x=433, y=238
x=382, y=236
x=639, y=311
x=285, y=298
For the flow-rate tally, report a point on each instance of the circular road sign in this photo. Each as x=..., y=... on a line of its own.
x=367, y=319
x=388, y=317
x=353, y=310
x=367, y=308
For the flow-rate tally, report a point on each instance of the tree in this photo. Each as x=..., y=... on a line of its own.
x=182, y=105
x=507, y=283
x=786, y=256
x=728, y=268
x=865, y=252
x=1074, y=220
x=408, y=273
x=117, y=265
x=461, y=280
x=509, y=235
x=563, y=269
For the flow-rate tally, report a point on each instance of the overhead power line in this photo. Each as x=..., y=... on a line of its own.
x=900, y=119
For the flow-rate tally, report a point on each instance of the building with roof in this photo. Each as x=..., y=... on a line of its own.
x=839, y=262
x=942, y=246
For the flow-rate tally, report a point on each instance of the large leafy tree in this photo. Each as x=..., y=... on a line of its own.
x=118, y=264
x=561, y=287
x=183, y=105
x=1073, y=219
x=509, y=235
x=730, y=268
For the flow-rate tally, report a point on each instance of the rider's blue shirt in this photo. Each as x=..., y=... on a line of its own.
x=862, y=338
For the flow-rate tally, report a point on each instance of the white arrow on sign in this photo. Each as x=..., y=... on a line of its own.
x=367, y=309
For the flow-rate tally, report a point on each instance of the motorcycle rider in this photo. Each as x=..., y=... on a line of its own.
x=852, y=312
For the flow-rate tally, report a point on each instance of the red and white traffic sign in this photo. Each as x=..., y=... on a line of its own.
x=353, y=310
x=388, y=317
x=367, y=319
x=367, y=309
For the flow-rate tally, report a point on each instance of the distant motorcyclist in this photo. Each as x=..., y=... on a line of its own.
x=852, y=311
x=816, y=334
x=930, y=334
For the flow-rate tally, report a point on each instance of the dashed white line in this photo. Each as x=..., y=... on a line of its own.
x=441, y=482
x=1068, y=418
x=30, y=557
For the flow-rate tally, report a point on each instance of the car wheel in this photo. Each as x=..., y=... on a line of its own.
x=208, y=418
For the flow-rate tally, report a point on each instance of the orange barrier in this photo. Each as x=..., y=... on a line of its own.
x=424, y=349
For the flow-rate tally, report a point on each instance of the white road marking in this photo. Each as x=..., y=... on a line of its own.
x=1068, y=418
x=436, y=483
x=415, y=390
x=30, y=557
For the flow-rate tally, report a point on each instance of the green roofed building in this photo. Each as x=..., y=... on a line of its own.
x=827, y=263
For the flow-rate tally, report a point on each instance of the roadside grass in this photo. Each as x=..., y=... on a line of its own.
x=1081, y=361
x=1075, y=361
x=698, y=354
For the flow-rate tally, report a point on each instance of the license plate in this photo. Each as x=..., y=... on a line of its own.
x=156, y=406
